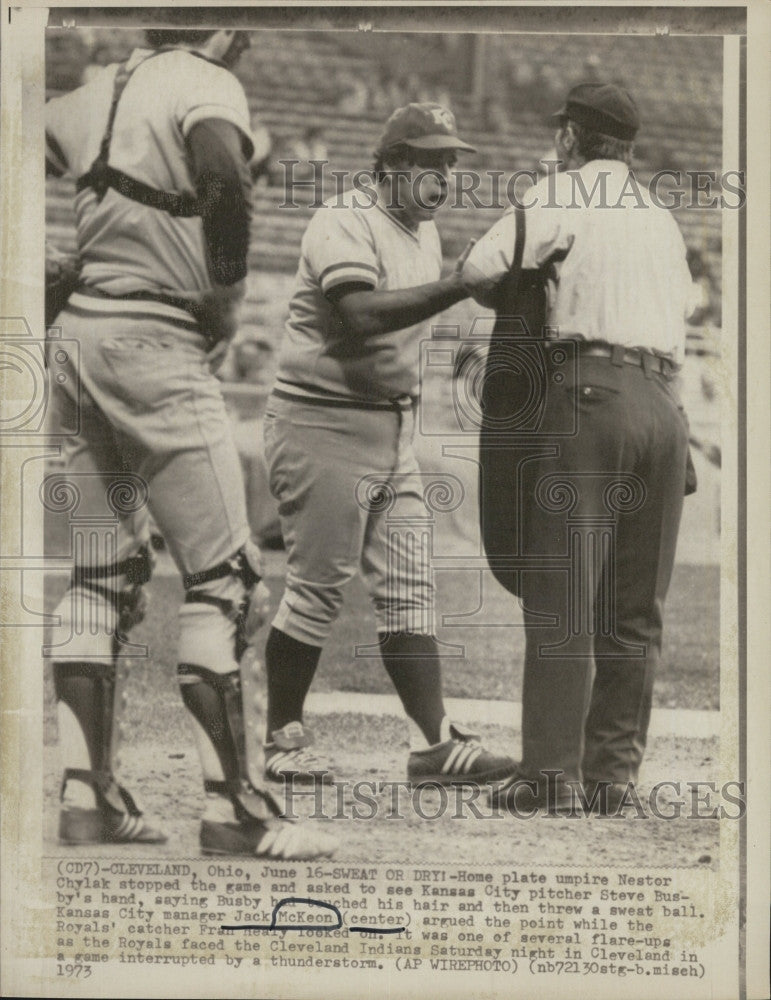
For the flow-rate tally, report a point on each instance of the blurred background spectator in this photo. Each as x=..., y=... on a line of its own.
x=309, y=145
x=104, y=53
x=706, y=295
x=352, y=94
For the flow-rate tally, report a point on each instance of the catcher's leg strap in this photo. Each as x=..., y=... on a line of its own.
x=136, y=568
x=243, y=566
x=240, y=565
x=127, y=599
x=215, y=701
x=107, y=790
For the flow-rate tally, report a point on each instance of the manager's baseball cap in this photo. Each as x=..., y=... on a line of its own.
x=603, y=107
x=422, y=126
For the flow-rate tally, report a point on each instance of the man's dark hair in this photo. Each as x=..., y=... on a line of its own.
x=399, y=153
x=593, y=145
x=158, y=37
x=403, y=153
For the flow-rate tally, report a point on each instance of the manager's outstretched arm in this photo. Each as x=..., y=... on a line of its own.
x=365, y=311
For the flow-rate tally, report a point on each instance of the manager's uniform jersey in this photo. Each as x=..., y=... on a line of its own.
x=596, y=491
x=125, y=246
x=339, y=428
x=142, y=398
x=348, y=243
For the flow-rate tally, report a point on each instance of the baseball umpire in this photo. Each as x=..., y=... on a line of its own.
x=160, y=147
x=342, y=412
x=599, y=490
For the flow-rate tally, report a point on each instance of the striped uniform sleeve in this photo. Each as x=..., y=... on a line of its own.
x=339, y=248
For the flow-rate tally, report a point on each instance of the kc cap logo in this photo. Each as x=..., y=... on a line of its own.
x=423, y=126
x=444, y=118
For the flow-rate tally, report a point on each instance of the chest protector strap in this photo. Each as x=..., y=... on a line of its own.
x=101, y=176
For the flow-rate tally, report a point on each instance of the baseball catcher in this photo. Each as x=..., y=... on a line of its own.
x=159, y=147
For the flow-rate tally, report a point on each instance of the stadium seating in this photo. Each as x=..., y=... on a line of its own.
x=290, y=81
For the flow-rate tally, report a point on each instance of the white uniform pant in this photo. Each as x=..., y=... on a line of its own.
x=350, y=498
x=138, y=398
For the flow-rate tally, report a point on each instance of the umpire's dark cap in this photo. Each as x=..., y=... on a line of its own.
x=422, y=126
x=603, y=107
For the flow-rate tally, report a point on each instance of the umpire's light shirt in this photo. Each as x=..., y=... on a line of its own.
x=598, y=228
x=590, y=504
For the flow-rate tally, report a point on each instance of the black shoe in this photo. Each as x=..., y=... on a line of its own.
x=608, y=798
x=520, y=794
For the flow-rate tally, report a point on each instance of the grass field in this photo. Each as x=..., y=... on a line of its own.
x=491, y=664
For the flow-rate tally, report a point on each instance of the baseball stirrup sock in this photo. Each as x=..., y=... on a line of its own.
x=290, y=666
x=412, y=662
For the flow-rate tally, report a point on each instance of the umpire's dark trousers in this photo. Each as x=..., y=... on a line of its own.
x=601, y=498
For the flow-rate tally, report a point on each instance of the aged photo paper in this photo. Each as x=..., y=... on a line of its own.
x=408, y=867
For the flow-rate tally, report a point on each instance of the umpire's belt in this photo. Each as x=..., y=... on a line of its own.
x=319, y=397
x=634, y=356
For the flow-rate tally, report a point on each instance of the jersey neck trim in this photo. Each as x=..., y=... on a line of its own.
x=412, y=233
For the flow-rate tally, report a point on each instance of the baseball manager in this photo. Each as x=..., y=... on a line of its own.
x=342, y=410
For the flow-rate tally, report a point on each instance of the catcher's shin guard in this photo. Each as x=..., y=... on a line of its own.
x=89, y=691
x=91, y=698
x=257, y=826
x=216, y=675
x=216, y=703
x=92, y=693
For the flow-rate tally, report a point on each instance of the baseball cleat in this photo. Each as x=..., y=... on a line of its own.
x=116, y=819
x=461, y=760
x=287, y=757
x=90, y=826
x=273, y=838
